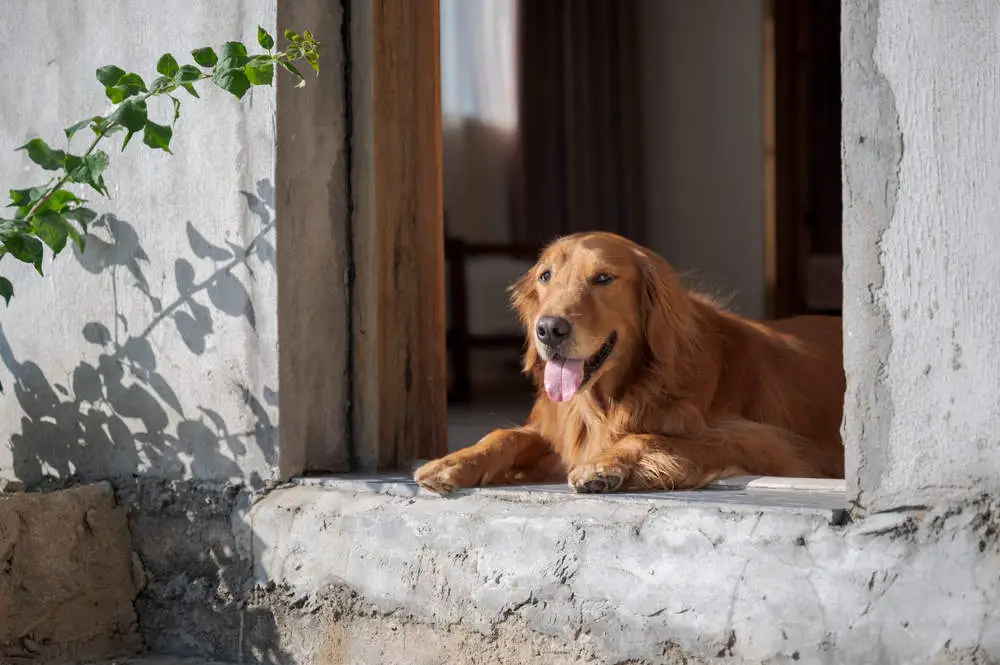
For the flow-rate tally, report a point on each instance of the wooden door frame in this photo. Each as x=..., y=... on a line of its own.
x=361, y=292
x=398, y=322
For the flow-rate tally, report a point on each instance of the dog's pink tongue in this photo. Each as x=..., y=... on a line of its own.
x=563, y=378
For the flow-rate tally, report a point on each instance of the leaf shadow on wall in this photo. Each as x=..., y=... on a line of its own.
x=119, y=415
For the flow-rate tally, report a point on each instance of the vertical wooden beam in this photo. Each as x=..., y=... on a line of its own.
x=398, y=329
x=311, y=225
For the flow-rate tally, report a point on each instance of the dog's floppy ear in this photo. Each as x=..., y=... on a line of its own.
x=524, y=301
x=667, y=314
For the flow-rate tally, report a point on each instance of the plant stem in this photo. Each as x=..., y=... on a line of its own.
x=62, y=181
x=93, y=144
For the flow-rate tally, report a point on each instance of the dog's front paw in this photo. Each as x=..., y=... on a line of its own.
x=445, y=475
x=596, y=478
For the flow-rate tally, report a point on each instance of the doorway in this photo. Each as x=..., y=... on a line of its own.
x=776, y=147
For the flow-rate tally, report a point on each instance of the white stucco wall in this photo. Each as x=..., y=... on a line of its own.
x=921, y=142
x=703, y=118
x=156, y=351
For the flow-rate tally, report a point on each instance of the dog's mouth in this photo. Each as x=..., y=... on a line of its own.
x=565, y=377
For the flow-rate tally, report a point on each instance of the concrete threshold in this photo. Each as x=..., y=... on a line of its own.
x=542, y=574
x=806, y=496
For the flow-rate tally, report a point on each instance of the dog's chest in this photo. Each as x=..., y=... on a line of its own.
x=582, y=434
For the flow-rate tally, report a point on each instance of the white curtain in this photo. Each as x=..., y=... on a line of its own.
x=478, y=78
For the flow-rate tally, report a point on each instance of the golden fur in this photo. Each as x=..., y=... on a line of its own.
x=689, y=394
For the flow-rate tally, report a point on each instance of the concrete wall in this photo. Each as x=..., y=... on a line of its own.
x=155, y=351
x=921, y=241
x=703, y=113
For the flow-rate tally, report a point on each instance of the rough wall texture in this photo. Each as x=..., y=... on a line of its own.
x=198, y=582
x=67, y=576
x=159, y=352
x=921, y=184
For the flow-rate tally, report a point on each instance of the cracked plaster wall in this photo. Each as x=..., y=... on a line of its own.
x=921, y=84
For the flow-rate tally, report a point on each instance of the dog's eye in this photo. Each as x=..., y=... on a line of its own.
x=545, y=276
x=603, y=278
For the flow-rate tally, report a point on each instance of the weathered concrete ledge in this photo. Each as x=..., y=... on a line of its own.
x=504, y=574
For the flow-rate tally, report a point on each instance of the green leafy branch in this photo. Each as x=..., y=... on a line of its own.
x=52, y=215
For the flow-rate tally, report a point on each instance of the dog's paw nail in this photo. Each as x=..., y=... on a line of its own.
x=596, y=480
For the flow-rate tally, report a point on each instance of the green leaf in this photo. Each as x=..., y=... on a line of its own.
x=108, y=75
x=157, y=136
x=127, y=86
x=58, y=201
x=6, y=289
x=167, y=65
x=24, y=248
x=188, y=73
x=308, y=36
x=26, y=197
x=87, y=170
x=131, y=115
x=128, y=137
x=73, y=129
x=234, y=56
x=190, y=89
x=292, y=36
x=259, y=72
x=177, y=107
x=160, y=83
x=105, y=126
x=54, y=230
x=234, y=81
x=313, y=59
x=205, y=56
x=82, y=216
x=265, y=39
x=13, y=226
x=40, y=153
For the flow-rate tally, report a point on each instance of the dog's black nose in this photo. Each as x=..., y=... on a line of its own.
x=551, y=330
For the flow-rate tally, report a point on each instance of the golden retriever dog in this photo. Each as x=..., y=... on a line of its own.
x=644, y=385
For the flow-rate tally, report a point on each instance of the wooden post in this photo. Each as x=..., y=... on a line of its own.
x=399, y=379
x=312, y=220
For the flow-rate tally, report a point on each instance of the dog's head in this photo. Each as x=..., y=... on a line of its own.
x=596, y=305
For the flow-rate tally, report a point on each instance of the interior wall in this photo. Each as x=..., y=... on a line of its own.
x=703, y=117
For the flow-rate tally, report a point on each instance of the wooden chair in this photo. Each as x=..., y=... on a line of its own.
x=460, y=341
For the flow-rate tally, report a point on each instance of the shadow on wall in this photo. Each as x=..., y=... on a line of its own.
x=115, y=417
